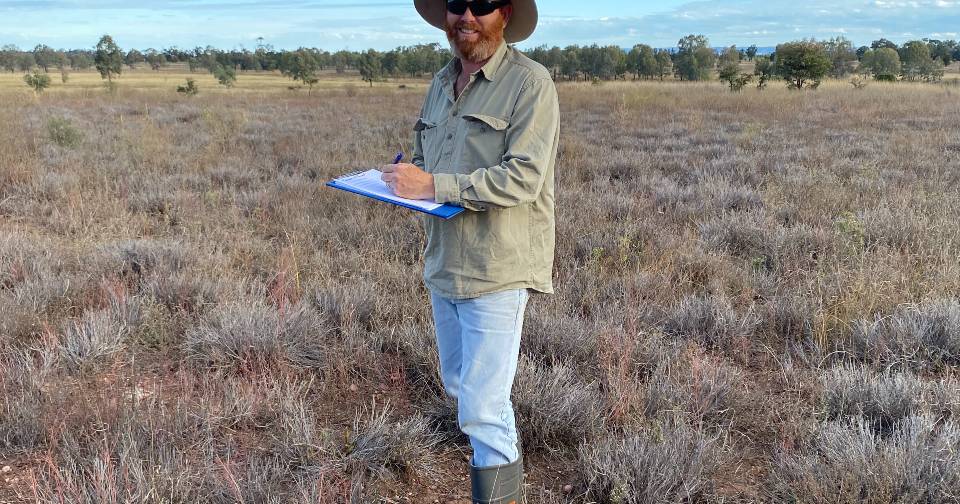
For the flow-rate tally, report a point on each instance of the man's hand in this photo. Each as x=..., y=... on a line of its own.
x=408, y=181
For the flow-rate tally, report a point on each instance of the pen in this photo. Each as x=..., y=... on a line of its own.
x=399, y=157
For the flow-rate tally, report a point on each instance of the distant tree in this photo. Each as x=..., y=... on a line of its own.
x=26, y=61
x=843, y=57
x=37, y=81
x=695, y=59
x=729, y=64
x=942, y=50
x=729, y=56
x=45, y=57
x=764, y=69
x=80, y=60
x=570, y=68
x=730, y=73
x=370, y=66
x=883, y=43
x=918, y=63
x=301, y=65
x=108, y=59
x=133, y=57
x=861, y=51
x=156, y=59
x=664, y=63
x=8, y=57
x=751, y=52
x=883, y=64
x=643, y=61
x=802, y=63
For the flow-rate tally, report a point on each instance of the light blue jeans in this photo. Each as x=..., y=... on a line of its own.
x=478, y=340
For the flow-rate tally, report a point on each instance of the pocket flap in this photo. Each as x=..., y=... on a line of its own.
x=423, y=124
x=494, y=122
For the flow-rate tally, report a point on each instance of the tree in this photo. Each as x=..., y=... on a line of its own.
x=802, y=62
x=570, y=68
x=883, y=43
x=37, y=80
x=133, y=57
x=300, y=65
x=730, y=69
x=8, y=57
x=730, y=73
x=80, y=60
x=883, y=63
x=843, y=56
x=751, y=52
x=370, y=67
x=108, y=59
x=694, y=59
x=642, y=61
x=157, y=59
x=917, y=62
x=764, y=69
x=664, y=63
x=45, y=57
x=25, y=61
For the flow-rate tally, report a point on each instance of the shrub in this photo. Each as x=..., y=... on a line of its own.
x=711, y=321
x=97, y=336
x=844, y=463
x=382, y=449
x=63, y=133
x=925, y=336
x=554, y=406
x=665, y=463
x=189, y=89
x=241, y=336
x=37, y=81
x=881, y=400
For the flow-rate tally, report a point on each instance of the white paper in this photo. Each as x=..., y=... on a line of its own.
x=370, y=182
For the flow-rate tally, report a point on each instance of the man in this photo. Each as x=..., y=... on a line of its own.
x=487, y=140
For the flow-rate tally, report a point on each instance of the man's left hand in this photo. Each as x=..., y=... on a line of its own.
x=408, y=181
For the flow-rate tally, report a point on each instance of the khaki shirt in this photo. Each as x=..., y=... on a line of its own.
x=492, y=151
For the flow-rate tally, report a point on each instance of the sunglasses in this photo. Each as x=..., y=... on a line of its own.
x=477, y=7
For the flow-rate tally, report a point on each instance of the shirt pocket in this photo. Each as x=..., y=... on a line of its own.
x=431, y=141
x=484, y=141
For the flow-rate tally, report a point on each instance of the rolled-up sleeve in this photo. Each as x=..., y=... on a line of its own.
x=531, y=144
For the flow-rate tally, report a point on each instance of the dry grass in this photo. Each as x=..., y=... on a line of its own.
x=745, y=282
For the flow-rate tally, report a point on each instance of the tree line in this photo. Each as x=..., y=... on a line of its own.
x=800, y=63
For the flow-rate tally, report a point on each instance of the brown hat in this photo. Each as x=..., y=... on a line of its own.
x=521, y=25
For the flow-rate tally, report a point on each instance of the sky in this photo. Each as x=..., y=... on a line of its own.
x=355, y=25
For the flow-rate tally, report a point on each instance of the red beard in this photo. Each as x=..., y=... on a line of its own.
x=481, y=49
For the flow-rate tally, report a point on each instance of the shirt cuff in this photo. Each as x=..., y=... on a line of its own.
x=446, y=188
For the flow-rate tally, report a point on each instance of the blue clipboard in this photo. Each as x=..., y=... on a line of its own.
x=445, y=211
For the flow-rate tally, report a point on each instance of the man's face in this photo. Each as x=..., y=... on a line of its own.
x=476, y=38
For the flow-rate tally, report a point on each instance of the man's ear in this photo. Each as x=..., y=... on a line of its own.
x=506, y=11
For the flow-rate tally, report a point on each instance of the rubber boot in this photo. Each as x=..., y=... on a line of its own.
x=499, y=484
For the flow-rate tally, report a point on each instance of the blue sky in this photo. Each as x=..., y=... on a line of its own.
x=354, y=25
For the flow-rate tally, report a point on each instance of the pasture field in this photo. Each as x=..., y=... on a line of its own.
x=758, y=298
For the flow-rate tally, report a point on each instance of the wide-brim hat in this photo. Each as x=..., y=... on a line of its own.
x=521, y=24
